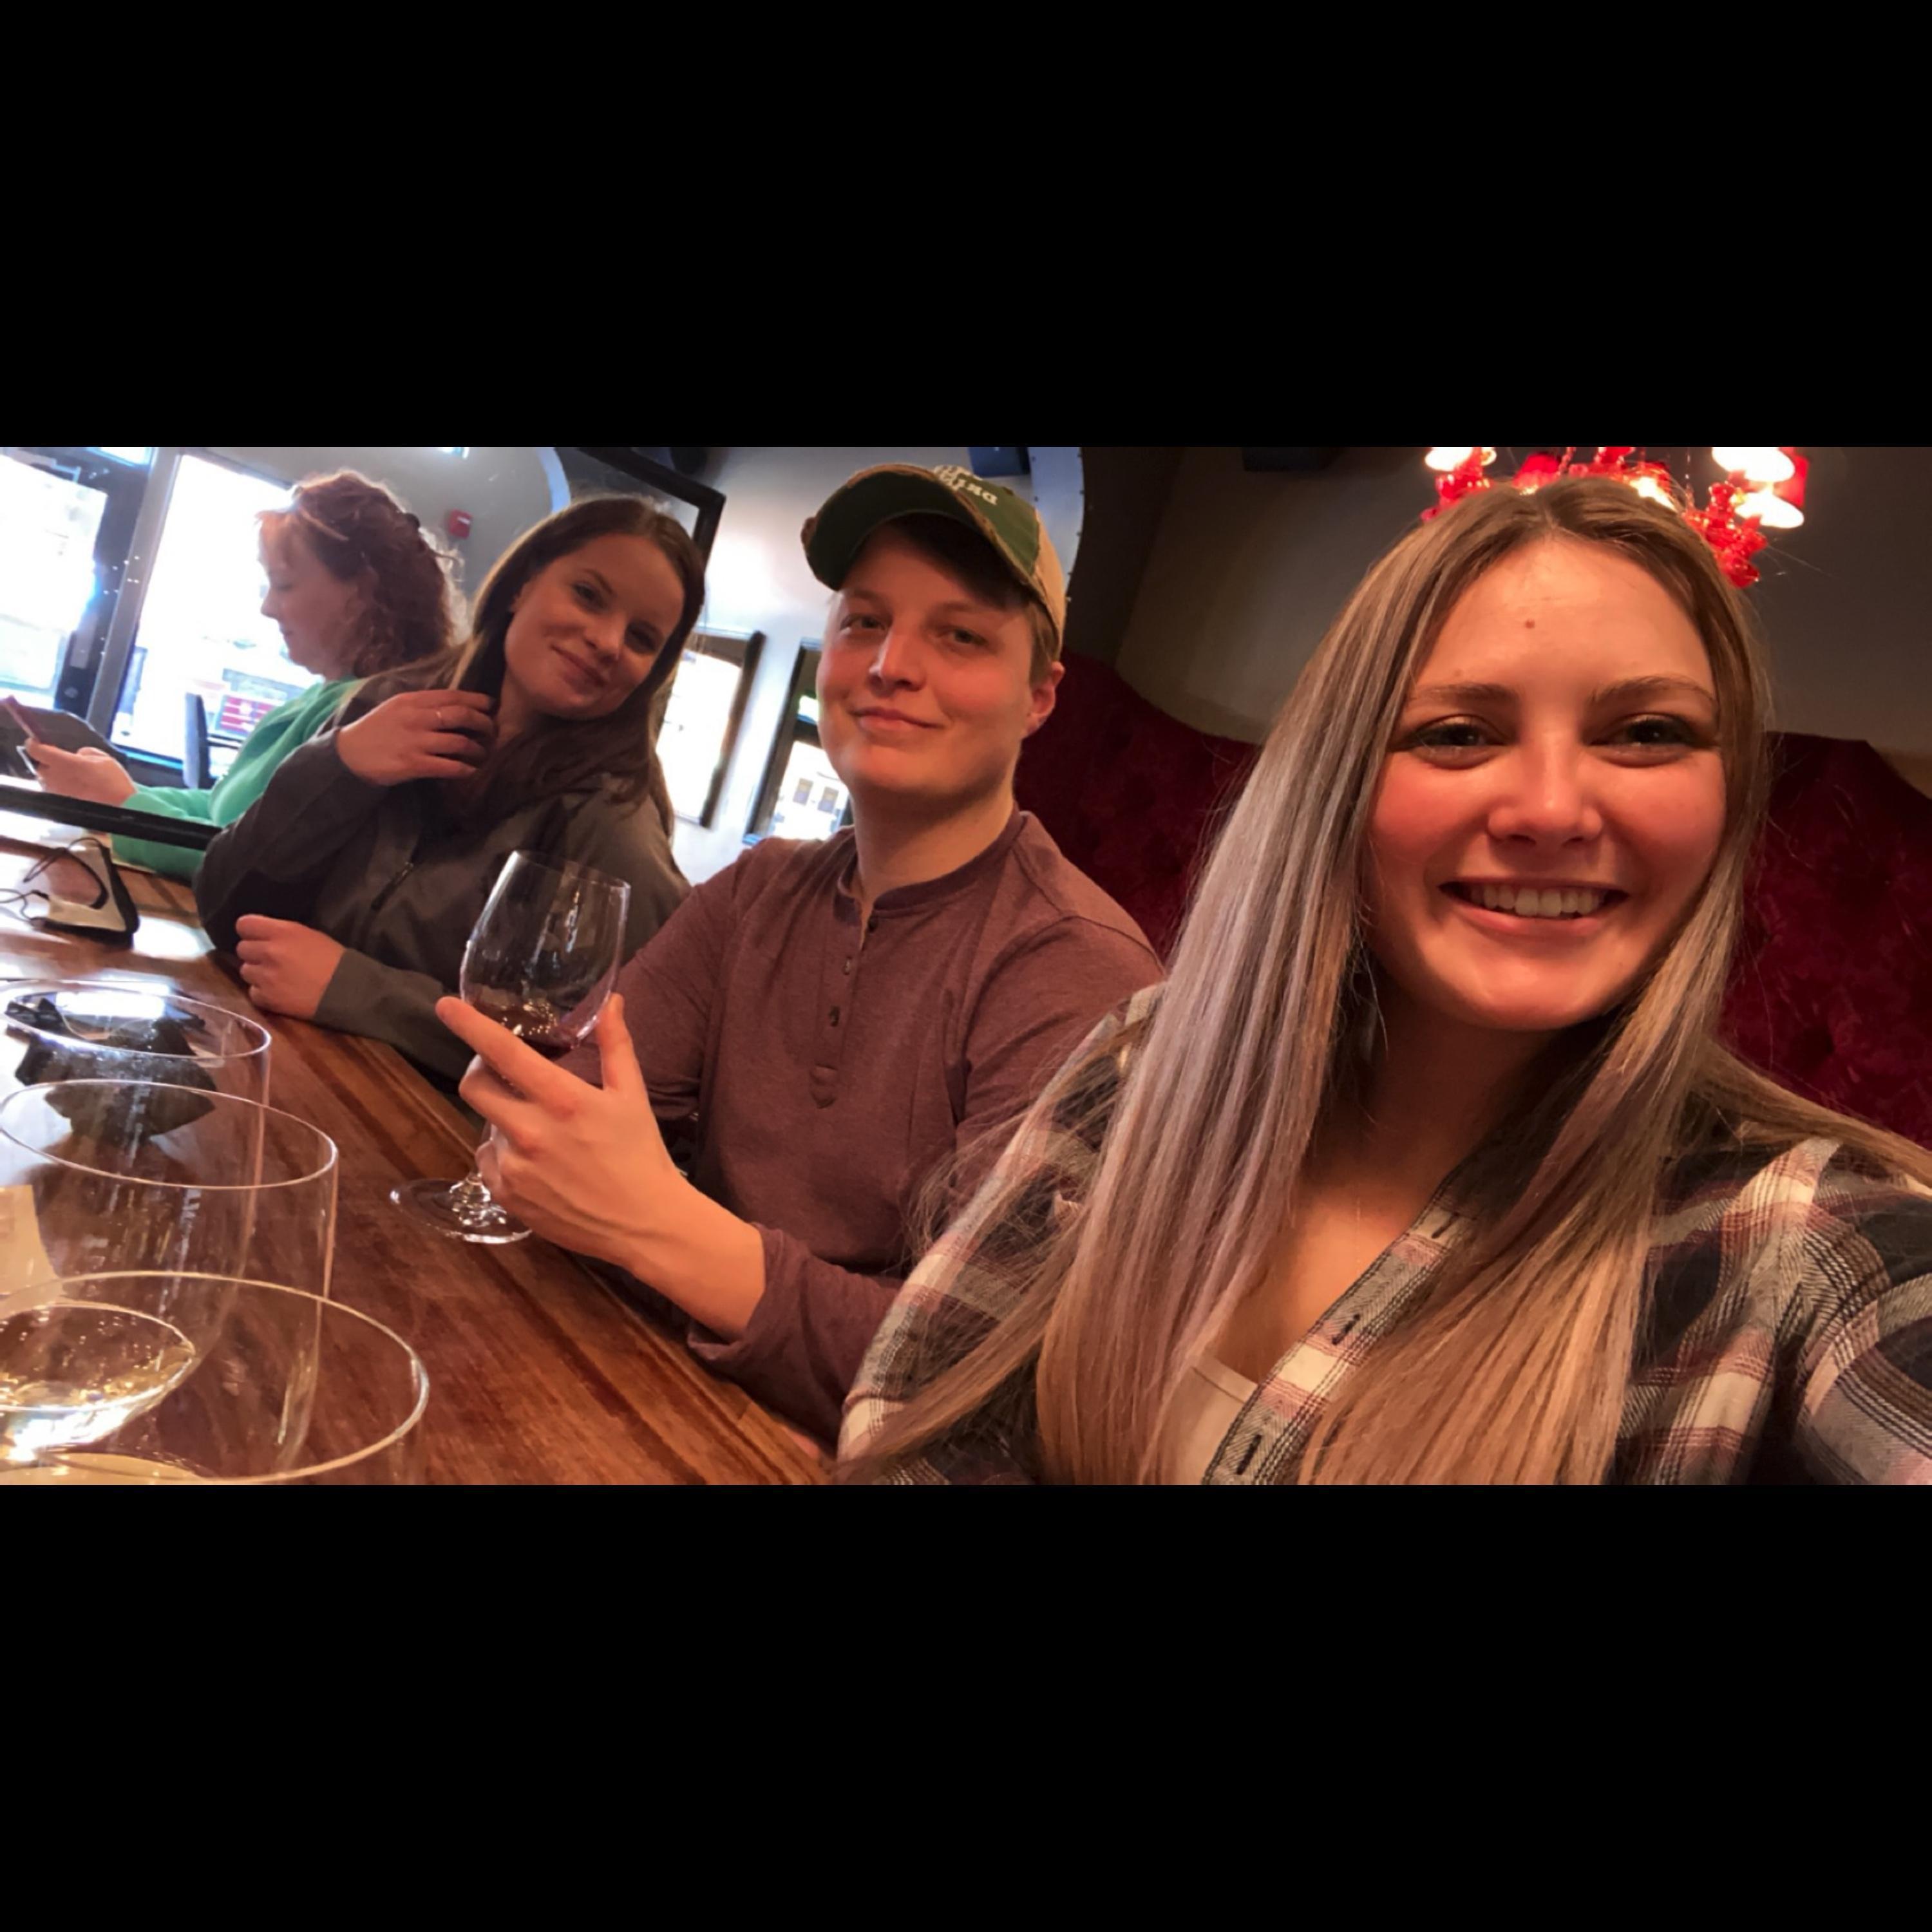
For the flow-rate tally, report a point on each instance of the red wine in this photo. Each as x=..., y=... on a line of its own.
x=534, y=1020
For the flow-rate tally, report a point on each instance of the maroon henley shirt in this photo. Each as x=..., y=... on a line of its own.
x=828, y=1072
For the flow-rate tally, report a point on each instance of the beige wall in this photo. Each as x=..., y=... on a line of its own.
x=1247, y=570
x=1125, y=489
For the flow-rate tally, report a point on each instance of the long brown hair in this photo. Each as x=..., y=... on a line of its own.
x=361, y=533
x=556, y=756
x=1514, y=1363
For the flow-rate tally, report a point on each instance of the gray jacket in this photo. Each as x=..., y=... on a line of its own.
x=380, y=869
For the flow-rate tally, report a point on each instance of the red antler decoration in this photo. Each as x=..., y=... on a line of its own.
x=1736, y=539
x=1454, y=484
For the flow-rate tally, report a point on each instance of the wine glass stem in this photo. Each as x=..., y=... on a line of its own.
x=468, y=1196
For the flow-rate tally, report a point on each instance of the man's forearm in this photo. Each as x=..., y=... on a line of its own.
x=706, y=1260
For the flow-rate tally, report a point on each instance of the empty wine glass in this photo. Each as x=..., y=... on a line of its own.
x=161, y=1377
x=101, y=1176
x=110, y=1029
x=541, y=961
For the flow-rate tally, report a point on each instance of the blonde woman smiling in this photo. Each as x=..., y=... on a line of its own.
x=1426, y=1166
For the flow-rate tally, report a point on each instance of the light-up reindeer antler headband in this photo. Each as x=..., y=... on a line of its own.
x=1762, y=488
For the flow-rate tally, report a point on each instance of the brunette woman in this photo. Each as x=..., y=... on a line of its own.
x=348, y=890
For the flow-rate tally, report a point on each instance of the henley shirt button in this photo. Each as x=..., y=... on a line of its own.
x=848, y=966
x=835, y=1016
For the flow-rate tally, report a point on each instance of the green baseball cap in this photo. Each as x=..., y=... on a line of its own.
x=834, y=538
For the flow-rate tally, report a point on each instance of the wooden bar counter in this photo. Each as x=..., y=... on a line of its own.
x=538, y=1372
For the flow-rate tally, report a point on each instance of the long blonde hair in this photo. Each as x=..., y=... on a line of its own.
x=1513, y=1365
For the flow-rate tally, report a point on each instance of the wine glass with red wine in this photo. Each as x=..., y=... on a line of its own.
x=540, y=960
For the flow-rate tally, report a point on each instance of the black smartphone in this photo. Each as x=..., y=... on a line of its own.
x=60, y=729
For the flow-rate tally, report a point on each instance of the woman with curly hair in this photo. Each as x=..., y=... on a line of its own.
x=356, y=589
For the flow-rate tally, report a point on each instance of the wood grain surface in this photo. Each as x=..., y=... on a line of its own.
x=538, y=1372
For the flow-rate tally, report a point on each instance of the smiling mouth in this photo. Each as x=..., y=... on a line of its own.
x=580, y=670
x=1552, y=902
x=893, y=717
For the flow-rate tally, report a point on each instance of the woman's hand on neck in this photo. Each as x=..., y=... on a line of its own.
x=897, y=847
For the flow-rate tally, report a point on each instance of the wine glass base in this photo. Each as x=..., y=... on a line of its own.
x=439, y=1206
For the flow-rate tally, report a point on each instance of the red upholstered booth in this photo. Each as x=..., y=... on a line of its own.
x=1832, y=987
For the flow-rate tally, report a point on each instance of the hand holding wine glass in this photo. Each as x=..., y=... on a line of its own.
x=583, y=1165
x=541, y=963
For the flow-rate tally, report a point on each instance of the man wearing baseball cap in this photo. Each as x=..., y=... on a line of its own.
x=834, y=1030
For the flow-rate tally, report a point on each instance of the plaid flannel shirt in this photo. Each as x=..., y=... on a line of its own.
x=1790, y=1337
